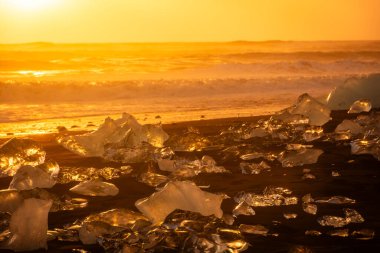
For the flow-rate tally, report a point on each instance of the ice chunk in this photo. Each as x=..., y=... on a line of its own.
x=366, y=146
x=299, y=157
x=335, y=173
x=41, y=176
x=152, y=179
x=333, y=221
x=308, y=176
x=182, y=195
x=349, y=125
x=272, y=196
x=290, y=216
x=243, y=209
x=353, y=216
x=182, y=168
x=363, y=234
x=254, y=229
x=339, y=232
x=310, y=208
x=17, y=152
x=251, y=156
x=362, y=105
x=95, y=187
x=117, y=217
x=29, y=225
x=140, y=154
x=191, y=140
x=300, y=249
x=354, y=89
x=317, y=112
x=90, y=231
x=336, y=200
x=312, y=133
x=125, y=132
x=79, y=174
x=254, y=168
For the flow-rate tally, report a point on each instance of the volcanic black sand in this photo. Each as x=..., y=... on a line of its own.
x=359, y=180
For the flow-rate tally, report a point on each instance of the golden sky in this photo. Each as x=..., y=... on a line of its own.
x=187, y=20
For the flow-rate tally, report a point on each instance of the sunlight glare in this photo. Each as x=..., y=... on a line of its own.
x=31, y=5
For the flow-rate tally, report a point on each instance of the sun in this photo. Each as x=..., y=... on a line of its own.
x=31, y=5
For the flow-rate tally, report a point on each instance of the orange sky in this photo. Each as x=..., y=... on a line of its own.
x=187, y=20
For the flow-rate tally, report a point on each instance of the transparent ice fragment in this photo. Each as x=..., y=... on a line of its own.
x=313, y=232
x=29, y=225
x=336, y=200
x=95, y=187
x=313, y=133
x=290, y=216
x=317, y=112
x=79, y=174
x=182, y=195
x=366, y=146
x=90, y=231
x=243, y=209
x=41, y=176
x=189, y=141
x=353, y=216
x=152, y=179
x=124, y=132
x=310, y=208
x=339, y=232
x=272, y=196
x=353, y=89
x=254, y=168
x=308, y=176
x=333, y=221
x=18, y=152
x=300, y=249
x=254, y=229
x=251, y=156
x=299, y=157
x=349, y=125
x=335, y=173
x=363, y=234
x=362, y=105
x=139, y=154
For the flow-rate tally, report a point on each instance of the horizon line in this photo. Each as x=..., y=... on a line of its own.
x=184, y=42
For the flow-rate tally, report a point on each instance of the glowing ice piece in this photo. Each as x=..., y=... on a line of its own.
x=300, y=157
x=29, y=225
x=41, y=176
x=317, y=112
x=349, y=125
x=182, y=195
x=95, y=187
x=125, y=132
x=354, y=89
x=362, y=105
x=18, y=152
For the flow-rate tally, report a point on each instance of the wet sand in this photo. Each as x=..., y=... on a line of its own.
x=359, y=180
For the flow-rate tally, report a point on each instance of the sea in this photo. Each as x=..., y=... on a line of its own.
x=47, y=85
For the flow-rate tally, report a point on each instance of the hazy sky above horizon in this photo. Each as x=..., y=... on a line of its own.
x=187, y=20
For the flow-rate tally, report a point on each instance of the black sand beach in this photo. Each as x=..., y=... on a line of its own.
x=359, y=180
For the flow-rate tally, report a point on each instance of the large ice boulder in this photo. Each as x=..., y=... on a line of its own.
x=125, y=132
x=95, y=187
x=18, y=152
x=183, y=195
x=343, y=96
x=29, y=225
x=307, y=106
x=30, y=177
